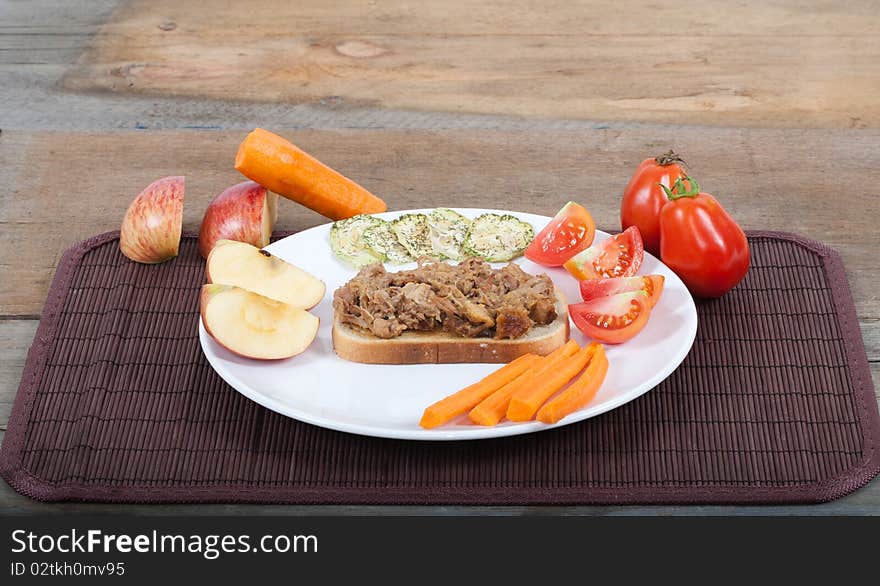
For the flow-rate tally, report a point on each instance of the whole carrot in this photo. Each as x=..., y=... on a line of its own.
x=280, y=166
x=455, y=404
x=492, y=409
x=578, y=393
x=526, y=402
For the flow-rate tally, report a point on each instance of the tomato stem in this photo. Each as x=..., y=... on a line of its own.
x=669, y=158
x=678, y=189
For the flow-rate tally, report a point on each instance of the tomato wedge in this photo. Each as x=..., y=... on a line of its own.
x=617, y=256
x=613, y=319
x=570, y=231
x=650, y=284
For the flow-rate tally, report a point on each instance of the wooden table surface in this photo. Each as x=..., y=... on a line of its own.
x=493, y=104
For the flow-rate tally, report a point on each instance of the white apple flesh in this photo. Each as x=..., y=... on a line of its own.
x=152, y=223
x=245, y=212
x=254, y=326
x=248, y=267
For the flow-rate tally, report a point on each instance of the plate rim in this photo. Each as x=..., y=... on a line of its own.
x=439, y=434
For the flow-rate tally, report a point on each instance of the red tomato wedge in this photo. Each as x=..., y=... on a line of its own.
x=650, y=284
x=570, y=231
x=617, y=256
x=613, y=319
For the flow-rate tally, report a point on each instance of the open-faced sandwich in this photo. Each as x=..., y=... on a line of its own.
x=444, y=313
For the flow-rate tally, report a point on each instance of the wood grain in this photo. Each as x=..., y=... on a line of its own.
x=333, y=63
x=15, y=339
x=63, y=187
x=753, y=63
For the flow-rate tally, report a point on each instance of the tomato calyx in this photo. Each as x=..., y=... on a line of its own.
x=669, y=158
x=679, y=190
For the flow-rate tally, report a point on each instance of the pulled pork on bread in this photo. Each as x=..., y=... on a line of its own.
x=470, y=300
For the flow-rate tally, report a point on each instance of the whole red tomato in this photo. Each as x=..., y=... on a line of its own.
x=701, y=242
x=643, y=197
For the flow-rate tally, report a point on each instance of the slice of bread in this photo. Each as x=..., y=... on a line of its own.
x=357, y=345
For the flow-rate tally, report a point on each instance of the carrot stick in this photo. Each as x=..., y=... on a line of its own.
x=526, y=402
x=578, y=393
x=492, y=409
x=280, y=166
x=455, y=404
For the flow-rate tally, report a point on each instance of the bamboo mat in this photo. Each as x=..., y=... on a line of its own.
x=775, y=403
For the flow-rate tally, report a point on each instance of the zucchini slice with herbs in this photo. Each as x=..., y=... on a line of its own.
x=347, y=240
x=448, y=230
x=498, y=238
x=382, y=241
x=414, y=232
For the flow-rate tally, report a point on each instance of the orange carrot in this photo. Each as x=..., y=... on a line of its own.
x=492, y=409
x=280, y=166
x=455, y=404
x=526, y=402
x=578, y=393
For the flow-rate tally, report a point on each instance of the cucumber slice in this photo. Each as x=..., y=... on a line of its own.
x=347, y=240
x=448, y=230
x=498, y=238
x=382, y=241
x=414, y=232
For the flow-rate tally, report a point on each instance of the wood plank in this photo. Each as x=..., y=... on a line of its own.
x=871, y=337
x=49, y=18
x=718, y=63
x=40, y=32
x=63, y=187
x=15, y=339
x=751, y=64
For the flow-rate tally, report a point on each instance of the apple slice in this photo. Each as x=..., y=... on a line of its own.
x=152, y=223
x=248, y=267
x=245, y=212
x=254, y=326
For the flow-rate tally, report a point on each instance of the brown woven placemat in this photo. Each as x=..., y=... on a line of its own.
x=775, y=403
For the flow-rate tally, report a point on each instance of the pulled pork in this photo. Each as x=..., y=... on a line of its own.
x=470, y=299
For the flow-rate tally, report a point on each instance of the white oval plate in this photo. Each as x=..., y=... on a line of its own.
x=320, y=388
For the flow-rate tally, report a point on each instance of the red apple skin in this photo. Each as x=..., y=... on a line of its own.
x=152, y=224
x=237, y=214
x=211, y=280
x=236, y=352
x=208, y=291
